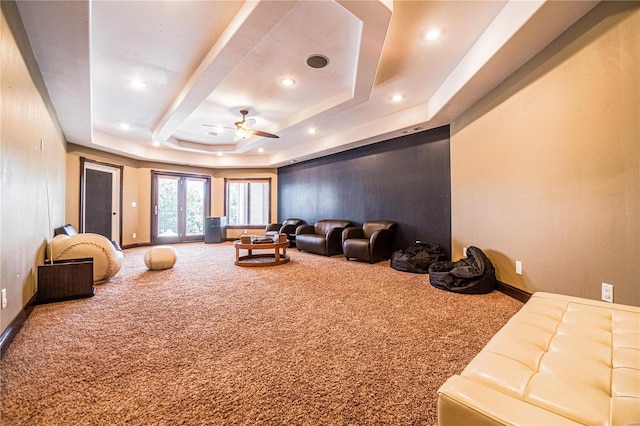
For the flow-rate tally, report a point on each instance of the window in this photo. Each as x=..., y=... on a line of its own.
x=248, y=201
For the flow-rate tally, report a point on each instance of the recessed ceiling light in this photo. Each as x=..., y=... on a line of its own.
x=260, y=150
x=288, y=81
x=156, y=143
x=312, y=131
x=137, y=84
x=397, y=98
x=432, y=35
x=124, y=126
x=219, y=154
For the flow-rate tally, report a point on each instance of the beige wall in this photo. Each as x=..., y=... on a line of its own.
x=546, y=168
x=137, y=188
x=32, y=168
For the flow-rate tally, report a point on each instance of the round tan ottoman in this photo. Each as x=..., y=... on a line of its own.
x=160, y=257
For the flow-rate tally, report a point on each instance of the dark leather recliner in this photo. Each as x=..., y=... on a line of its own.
x=325, y=237
x=288, y=227
x=371, y=243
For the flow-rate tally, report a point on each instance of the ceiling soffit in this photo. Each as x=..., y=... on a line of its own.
x=204, y=61
x=265, y=42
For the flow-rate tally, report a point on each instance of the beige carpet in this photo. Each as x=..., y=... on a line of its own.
x=317, y=341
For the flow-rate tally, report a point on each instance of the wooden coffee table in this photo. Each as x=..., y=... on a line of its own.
x=262, y=259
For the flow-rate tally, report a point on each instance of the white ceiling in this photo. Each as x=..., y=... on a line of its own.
x=204, y=61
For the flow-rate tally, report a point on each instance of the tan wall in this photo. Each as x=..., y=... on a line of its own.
x=546, y=168
x=137, y=188
x=32, y=166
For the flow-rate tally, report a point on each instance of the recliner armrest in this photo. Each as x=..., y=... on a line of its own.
x=382, y=235
x=332, y=232
x=273, y=227
x=305, y=229
x=288, y=229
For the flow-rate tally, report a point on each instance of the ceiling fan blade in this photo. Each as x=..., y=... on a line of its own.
x=264, y=134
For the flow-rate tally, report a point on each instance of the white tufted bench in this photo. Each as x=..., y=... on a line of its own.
x=559, y=360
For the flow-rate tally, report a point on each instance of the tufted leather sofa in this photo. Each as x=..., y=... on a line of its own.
x=107, y=261
x=325, y=237
x=559, y=360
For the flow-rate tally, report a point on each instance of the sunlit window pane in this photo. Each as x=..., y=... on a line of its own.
x=195, y=206
x=248, y=203
x=167, y=207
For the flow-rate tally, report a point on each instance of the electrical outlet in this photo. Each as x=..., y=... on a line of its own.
x=134, y=235
x=607, y=292
x=464, y=251
x=518, y=267
x=4, y=298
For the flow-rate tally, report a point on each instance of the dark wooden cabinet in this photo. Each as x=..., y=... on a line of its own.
x=65, y=280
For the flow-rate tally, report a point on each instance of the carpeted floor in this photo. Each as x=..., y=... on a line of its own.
x=317, y=341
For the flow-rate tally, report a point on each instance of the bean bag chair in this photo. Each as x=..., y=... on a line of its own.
x=474, y=274
x=417, y=258
x=107, y=261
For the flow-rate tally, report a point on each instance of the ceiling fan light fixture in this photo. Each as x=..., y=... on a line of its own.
x=243, y=133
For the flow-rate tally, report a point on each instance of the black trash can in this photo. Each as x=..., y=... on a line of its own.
x=214, y=229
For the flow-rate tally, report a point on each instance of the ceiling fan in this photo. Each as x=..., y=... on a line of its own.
x=243, y=128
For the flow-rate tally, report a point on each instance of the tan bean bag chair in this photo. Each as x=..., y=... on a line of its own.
x=107, y=261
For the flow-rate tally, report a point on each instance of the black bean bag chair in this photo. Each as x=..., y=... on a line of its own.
x=474, y=274
x=417, y=258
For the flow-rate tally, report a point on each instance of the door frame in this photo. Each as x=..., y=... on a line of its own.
x=116, y=193
x=181, y=199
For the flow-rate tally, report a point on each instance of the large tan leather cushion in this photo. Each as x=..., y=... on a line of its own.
x=559, y=360
x=160, y=257
x=107, y=261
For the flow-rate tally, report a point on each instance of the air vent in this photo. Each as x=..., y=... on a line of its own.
x=317, y=61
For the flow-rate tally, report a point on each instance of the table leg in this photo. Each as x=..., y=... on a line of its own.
x=277, y=255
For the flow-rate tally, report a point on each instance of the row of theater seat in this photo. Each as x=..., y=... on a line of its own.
x=370, y=243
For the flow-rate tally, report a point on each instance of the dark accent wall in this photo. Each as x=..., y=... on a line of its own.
x=406, y=179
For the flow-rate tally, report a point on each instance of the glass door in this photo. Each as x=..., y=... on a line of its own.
x=180, y=203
